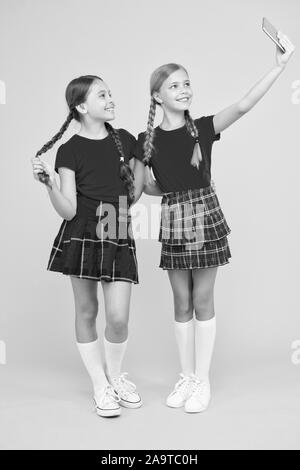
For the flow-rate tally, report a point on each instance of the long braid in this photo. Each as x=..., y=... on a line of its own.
x=199, y=151
x=190, y=124
x=126, y=174
x=150, y=132
x=148, y=146
x=43, y=176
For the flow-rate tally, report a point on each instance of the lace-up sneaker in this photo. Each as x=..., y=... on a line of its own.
x=126, y=391
x=181, y=392
x=200, y=396
x=107, y=402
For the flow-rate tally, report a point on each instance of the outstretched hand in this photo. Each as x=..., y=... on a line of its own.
x=282, y=58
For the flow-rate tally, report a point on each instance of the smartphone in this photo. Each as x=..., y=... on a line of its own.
x=271, y=31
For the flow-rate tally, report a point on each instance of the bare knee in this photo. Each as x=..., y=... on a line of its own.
x=117, y=324
x=204, y=305
x=87, y=311
x=183, y=308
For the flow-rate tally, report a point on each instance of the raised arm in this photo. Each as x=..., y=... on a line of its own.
x=232, y=113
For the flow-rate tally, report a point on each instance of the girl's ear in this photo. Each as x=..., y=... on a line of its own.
x=157, y=98
x=81, y=108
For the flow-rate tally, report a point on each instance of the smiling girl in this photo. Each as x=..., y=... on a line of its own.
x=95, y=241
x=193, y=229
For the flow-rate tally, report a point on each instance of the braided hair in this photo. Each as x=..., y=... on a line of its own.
x=76, y=93
x=157, y=79
x=126, y=174
x=43, y=176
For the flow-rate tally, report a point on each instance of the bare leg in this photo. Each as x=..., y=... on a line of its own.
x=86, y=309
x=182, y=283
x=203, y=292
x=117, y=301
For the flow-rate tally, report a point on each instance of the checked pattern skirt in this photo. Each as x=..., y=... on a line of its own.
x=193, y=230
x=97, y=244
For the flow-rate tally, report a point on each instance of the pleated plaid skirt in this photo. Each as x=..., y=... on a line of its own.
x=96, y=244
x=193, y=230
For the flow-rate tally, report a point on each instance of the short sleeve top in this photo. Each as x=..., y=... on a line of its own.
x=96, y=163
x=171, y=159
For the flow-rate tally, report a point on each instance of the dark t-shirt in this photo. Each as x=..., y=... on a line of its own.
x=96, y=163
x=171, y=160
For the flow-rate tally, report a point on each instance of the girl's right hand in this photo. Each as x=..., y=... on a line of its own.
x=282, y=58
x=39, y=166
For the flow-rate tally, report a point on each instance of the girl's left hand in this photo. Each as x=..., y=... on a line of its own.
x=282, y=58
x=148, y=178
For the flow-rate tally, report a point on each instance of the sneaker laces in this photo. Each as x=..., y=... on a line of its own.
x=107, y=396
x=199, y=388
x=182, y=384
x=124, y=385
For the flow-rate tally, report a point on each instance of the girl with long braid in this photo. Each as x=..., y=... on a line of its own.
x=193, y=229
x=95, y=241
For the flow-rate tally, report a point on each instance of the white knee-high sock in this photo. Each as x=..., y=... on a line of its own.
x=205, y=333
x=185, y=337
x=114, y=354
x=91, y=356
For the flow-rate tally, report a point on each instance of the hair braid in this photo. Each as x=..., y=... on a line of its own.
x=126, y=174
x=43, y=176
x=199, y=151
x=148, y=146
x=150, y=132
x=190, y=124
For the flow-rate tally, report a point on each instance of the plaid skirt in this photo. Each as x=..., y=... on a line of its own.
x=96, y=244
x=193, y=230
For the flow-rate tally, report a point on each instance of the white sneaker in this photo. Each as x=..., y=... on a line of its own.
x=181, y=392
x=106, y=402
x=126, y=391
x=200, y=396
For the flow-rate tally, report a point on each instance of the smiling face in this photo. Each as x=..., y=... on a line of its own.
x=99, y=104
x=176, y=93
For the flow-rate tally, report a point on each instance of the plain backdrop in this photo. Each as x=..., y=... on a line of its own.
x=45, y=392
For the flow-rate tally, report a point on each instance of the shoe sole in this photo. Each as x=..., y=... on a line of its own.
x=127, y=404
x=175, y=406
x=108, y=413
x=197, y=411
